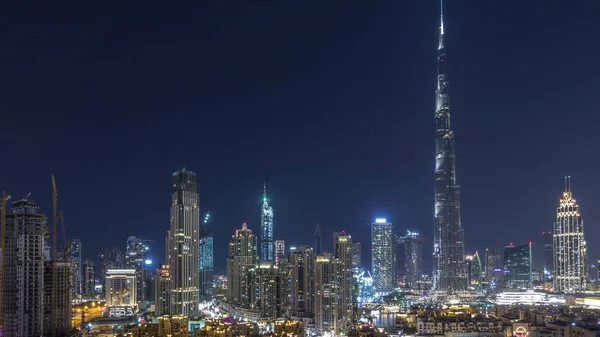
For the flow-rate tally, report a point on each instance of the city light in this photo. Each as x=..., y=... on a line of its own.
x=381, y=220
x=148, y=261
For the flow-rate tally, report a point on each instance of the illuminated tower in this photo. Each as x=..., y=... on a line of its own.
x=570, y=251
x=206, y=260
x=342, y=252
x=134, y=259
x=449, y=269
x=242, y=259
x=548, y=255
x=75, y=259
x=382, y=241
x=267, y=249
x=517, y=266
x=183, y=244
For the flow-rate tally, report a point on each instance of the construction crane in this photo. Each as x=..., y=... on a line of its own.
x=54, y=258
x=3, y=201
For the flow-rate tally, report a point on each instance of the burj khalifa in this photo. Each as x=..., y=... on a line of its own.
x=449, y=270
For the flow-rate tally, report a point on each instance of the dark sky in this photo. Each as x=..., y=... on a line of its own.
x=332, y=100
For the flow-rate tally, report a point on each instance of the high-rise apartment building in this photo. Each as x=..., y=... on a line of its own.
x=162, y=290
x=267, y=249
x=517, y=266
x=492, y=263
x=475, y=270
x=88, y=277
x=449, y=270
x=570, y=249
x=342, y=253
x=301, y=264
x=206, y=263
x=23, y=281
x=548, y=255
x=413, y=257
x=382, y=241
x=243, y=257
x=75, y=260
x=317, y=240
x=268, y=294
x=121, y=292
x=326, y=294
x=184, y=245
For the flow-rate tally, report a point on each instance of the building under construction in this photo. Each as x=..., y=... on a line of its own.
x=57, y=312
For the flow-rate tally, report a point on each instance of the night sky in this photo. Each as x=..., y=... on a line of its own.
x=331, y=101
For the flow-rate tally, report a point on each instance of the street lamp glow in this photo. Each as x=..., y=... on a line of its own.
x=381, y=220
x=148, y=262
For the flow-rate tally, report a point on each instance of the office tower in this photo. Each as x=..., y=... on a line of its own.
x=184, y=245
x=413, y=257
x=121, y=292
x=243, y=257
x=517, y=266
x=474, y=270
x=301, y=264
x=342, y=252
x=382, y=241
x=449, y=272
x=317, y=241
x=570, y=250
x=548, y=255
x=356, y=255
x=398, y=260
x=267, y=250
x=75, y=260
x=206, y=263
x=110, y=259
x=89, y=277
x=268, y=296
x=162, y=292
x=23, y=302
x=134, y=259
x=491, y=264
x=326, y=293
x=279, y=249
x=57, y=310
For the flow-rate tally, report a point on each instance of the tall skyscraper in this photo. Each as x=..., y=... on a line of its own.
x=243, y=257
x=302, y=294
x=570, y=249
x=326, y=293
x=548, y=255
x=184, y=245
x=356, y=255
x=75, y=260
x=413, y=257
x=88, y=278
x=382, y=241
x=267, y=249
x=134, y=259
x=206, y=263
x=491, y=263
x=268, y=294
x=23, y=281
x=517, y=266
x=342, y=252
x=317, y=241
x=449, y=270
x=110, y=259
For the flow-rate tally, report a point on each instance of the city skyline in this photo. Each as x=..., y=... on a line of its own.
x=304, y=189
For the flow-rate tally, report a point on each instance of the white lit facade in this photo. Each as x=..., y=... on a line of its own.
x=382, y=241
x=570, y=251
x=121, y=291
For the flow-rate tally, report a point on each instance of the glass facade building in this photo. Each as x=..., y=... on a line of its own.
x=382, y=241
x=517, y=266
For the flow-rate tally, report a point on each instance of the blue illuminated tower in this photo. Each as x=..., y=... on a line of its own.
x=449, y=269
x=267, y=249
x=206, y=260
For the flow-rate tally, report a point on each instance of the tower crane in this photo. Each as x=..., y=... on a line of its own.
x=3, y=201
